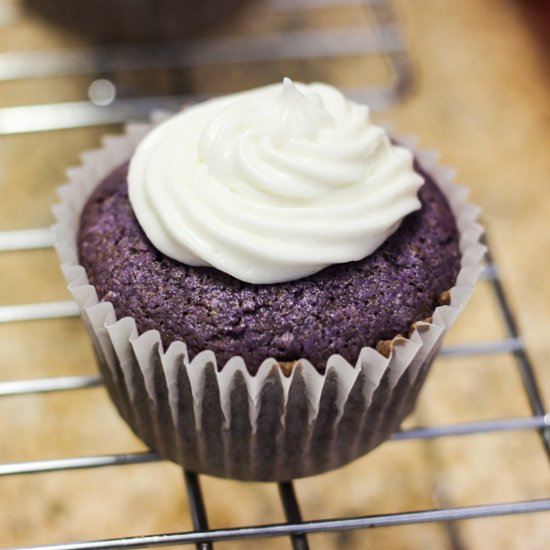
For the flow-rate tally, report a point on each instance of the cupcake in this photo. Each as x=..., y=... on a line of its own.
x=127, y=20
x=266, y=278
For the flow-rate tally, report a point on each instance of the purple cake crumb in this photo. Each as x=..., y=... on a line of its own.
x=340, y=309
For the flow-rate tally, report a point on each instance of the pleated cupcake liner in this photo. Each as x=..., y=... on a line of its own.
x=221, y=420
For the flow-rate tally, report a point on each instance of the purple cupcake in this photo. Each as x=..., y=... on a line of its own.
x=130, y=20
x=268, y=280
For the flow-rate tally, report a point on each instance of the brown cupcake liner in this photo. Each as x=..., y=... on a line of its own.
x=270, y=426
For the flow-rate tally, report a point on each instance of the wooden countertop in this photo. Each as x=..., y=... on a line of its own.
x=482, y=99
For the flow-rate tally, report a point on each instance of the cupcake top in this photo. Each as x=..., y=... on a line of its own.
x=271, y=185
x=339, y=310
x=284, y=184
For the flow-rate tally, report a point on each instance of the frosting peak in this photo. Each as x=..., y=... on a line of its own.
x=272, y=184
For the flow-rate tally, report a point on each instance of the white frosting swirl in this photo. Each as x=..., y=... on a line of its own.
x=272, y=184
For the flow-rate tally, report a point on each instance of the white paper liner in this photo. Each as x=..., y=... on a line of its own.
x=268, y=426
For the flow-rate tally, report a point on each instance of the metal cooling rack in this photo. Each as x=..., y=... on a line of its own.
x=381, y=38
x=295, y=528
x=384, y=39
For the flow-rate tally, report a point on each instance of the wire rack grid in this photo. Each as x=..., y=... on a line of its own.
x=295, y=528
x=376, y=36
x=46, y=117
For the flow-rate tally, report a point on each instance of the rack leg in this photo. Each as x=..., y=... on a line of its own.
x=292, y=513
x=196, y=504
